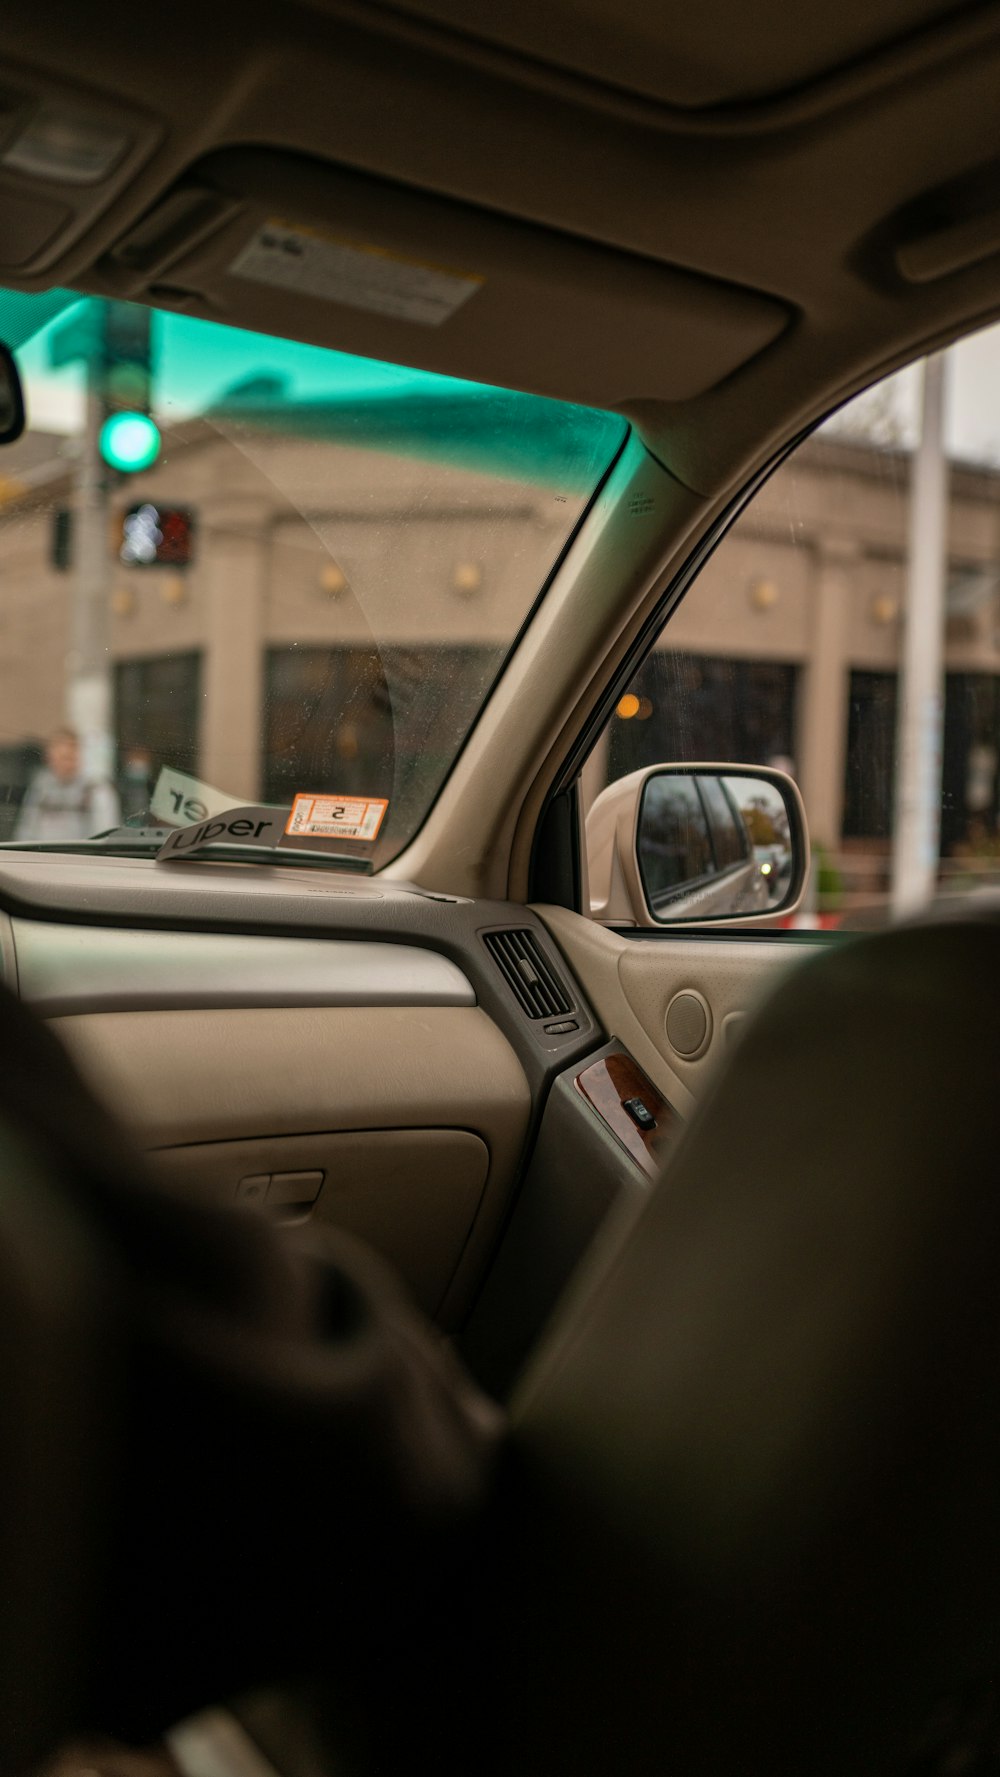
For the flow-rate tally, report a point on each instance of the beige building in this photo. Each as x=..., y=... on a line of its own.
x=292, y=651
x=787, y=648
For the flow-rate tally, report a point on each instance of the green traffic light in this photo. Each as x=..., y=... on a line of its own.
x=130, y=441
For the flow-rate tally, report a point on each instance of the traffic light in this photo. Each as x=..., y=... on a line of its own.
x=114, y=341
x=129, y=442
x=157, y=536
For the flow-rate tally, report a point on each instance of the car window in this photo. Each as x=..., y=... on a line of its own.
x=258, y=567
x=789, y=648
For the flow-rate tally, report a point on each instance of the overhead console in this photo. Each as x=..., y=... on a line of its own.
x=65, y=155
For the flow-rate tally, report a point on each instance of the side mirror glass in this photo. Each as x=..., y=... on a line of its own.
x=713, y=845
x=681, y=843
x=11, y=398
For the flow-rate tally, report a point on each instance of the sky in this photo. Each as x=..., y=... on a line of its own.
x=891, y=411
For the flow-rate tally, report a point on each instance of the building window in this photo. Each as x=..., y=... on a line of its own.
x=157, y=708
x=356, y=721
x=684, y=707
x=970, y=763
x=870, y=767
x=970, y=780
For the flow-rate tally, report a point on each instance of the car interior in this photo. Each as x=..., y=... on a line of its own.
x=693, y=1198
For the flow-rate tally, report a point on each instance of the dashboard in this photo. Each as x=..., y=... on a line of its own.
x=423, y=1071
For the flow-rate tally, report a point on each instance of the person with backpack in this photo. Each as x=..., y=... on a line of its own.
x=63, y=804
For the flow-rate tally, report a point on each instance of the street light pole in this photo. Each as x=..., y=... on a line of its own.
x=88, y=692
x=917, y=825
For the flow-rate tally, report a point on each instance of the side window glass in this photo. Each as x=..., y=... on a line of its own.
x=836, y=635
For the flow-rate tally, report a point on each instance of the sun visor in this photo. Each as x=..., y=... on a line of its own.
x=289, y=246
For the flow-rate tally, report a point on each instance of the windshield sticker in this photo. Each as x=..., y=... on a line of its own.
x=336, y=817
x=360, y=276
x=250, y=826
x=179, y=799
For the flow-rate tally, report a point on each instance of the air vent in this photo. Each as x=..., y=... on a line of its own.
x=536, y=986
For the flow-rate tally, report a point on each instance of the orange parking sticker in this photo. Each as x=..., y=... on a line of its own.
x=336, y=817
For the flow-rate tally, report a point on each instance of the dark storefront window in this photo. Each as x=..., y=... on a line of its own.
x=682, y=707
x=350, y=721
x=870, y=767
x=970, y=787
x=18, y=765
x=157, y=705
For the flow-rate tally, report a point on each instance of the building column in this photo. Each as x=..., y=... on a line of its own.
x=825, y=689
x=236, y=551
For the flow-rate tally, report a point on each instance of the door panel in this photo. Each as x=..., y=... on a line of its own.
x=704, y=984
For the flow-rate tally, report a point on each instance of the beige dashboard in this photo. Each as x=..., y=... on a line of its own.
x=319, y=1048
x=452, y=1080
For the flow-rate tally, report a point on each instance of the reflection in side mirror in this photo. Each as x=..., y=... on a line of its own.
x=672, y=843
x=716, y=844
x=11, y=398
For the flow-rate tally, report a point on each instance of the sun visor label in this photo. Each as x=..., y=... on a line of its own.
x=336, y=817
x=361, y=277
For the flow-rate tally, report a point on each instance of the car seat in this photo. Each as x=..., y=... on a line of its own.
x=750, y=1510
x=746, y=1517
x=228, y=1455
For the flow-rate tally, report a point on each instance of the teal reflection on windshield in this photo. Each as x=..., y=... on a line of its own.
x=199, y=369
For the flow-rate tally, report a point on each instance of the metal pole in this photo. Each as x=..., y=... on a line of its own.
x=921, y=681
x=88, y=695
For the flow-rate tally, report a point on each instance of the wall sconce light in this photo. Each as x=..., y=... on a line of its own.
x=173, y=589
x=123, y=600
x=467, y=578
x=764, y=595
x=884, y=608
x=332, y=580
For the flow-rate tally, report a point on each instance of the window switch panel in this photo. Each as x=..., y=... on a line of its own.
x=639, y=1113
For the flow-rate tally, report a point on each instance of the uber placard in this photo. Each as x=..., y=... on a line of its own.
x=237, y=826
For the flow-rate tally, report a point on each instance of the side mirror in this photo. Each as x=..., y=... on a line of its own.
x=679, y=843
x=11, y=398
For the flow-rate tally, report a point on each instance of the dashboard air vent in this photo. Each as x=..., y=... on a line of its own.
x=533, y=980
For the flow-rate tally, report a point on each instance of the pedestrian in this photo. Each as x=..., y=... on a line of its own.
x=62, y=803
x=136, y=784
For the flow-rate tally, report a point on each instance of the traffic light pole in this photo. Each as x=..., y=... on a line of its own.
x=88, y=699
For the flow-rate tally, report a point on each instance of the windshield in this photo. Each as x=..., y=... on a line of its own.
x=236, y=569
